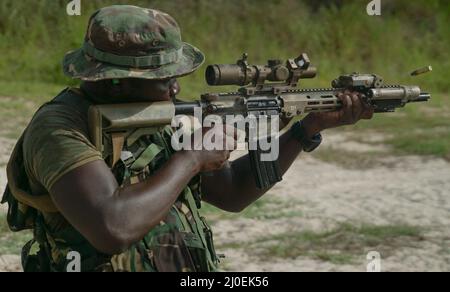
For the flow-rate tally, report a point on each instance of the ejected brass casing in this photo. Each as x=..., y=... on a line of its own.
x=422, y=71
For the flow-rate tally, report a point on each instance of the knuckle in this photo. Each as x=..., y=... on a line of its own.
x=349, y=101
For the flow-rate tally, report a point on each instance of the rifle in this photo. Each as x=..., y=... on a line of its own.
x=265, y=90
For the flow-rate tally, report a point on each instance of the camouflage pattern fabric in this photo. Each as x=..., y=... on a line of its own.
x=126, y=41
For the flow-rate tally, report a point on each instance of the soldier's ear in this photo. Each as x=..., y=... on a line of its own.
x=174, y=88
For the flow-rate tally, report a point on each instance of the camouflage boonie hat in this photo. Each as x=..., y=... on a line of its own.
x=125, y=41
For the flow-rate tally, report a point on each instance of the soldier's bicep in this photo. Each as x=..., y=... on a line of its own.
x=84, y=190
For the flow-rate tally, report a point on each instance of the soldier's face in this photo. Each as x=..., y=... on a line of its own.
x=151, y=90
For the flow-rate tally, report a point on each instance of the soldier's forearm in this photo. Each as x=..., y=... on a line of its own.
x=238, y=188
x=113, y=217
x=144, y=205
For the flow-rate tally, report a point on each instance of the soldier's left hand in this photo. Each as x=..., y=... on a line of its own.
x=354, y=109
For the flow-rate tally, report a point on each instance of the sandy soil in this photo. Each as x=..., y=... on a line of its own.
x=395, y=190
x=415, y=191
x=407, y=190
x=10, y=263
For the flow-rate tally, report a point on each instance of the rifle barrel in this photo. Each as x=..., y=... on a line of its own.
x=423, y=97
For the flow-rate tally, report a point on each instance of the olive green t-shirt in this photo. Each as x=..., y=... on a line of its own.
x=56, y=142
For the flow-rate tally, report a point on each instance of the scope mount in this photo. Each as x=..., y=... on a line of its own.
x=281, y=76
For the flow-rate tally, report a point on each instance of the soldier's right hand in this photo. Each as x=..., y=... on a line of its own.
x=213, y=150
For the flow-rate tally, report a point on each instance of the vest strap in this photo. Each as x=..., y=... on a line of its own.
x=198, y=224
x=118, y=141
x=146, y=157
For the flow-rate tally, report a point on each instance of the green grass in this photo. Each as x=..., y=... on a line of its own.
x=364, y=160
x=342, y=245
x=15, y=114
x=34, y=91
x=337, y=259
x=421, y=129
x=339, y=36
x=266, y=208
x=424, y=145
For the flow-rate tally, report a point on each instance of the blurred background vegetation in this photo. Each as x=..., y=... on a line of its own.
x=338, y=35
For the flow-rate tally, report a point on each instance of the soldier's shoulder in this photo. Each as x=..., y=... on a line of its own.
x=56, y=141
x=66, y=113
x=67, y=109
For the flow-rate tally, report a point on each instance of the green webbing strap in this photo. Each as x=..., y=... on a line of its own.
x=159, y=59
x=198, y=223
x=161, y=140
x=146, y=157
x=132, y=258
x=183, y=220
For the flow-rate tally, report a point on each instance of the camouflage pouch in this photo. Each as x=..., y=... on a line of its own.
x=34, y=259
x=210, y=241
x=172, y=250
x=171, y=254
x=20, y=216
x=197, y=251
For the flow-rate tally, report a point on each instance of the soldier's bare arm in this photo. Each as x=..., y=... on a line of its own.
x=112, y=218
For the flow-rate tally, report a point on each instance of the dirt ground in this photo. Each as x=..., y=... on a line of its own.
x=320, y=192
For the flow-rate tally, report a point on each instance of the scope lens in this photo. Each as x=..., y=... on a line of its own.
x=212, y=75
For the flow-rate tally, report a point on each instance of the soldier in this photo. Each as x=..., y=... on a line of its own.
x=142, y=217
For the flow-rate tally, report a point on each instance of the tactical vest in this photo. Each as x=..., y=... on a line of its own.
x=183, y=241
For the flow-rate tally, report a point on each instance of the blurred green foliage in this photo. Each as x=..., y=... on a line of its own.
x=339, y=36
